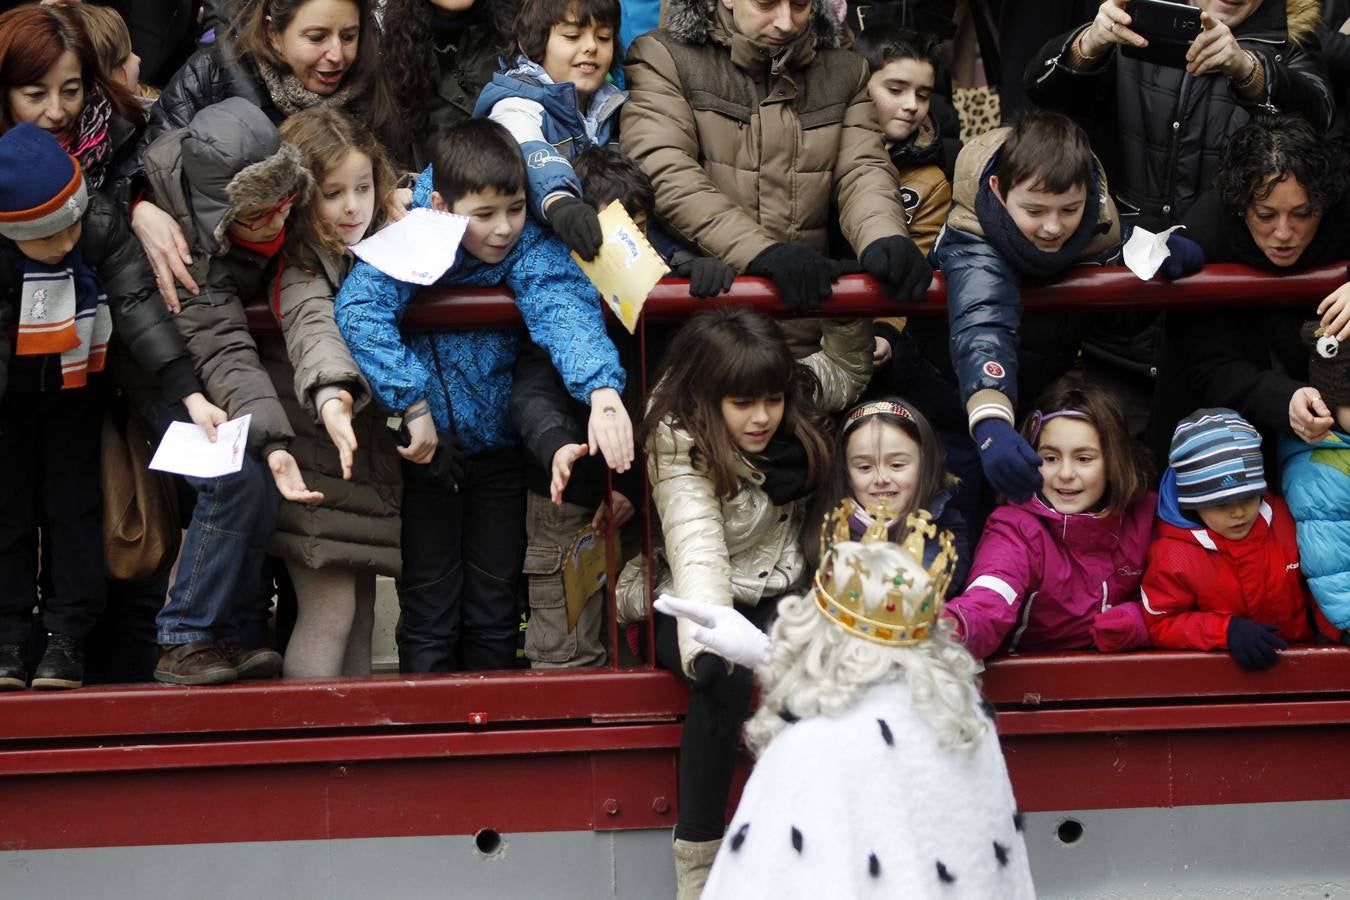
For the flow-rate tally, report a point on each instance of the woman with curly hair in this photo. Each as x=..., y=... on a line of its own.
x=1280, y=206
x=438, y=55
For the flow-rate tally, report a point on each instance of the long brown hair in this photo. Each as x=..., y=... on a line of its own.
x=1128, y=471
x=933, y=475
x=324, y=136
x=736, y=351
x=250, y=38
x=32, y=39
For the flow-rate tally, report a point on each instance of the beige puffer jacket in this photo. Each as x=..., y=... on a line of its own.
x=357, y=525
x=746, y=151
x=742, y=548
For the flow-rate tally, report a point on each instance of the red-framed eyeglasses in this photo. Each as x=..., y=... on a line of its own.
x=266, y=215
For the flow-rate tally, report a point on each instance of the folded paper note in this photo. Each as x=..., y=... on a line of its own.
x=184, y=449
x=626, y=268
x=418, y=248
x=1145, y=251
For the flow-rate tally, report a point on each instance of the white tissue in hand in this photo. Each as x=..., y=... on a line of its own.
x=1145, y=251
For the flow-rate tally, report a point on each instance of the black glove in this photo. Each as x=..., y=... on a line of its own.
x=803, y=277
x=1185, y=257
x=1252, y=644
x=1010, y=464
x=708, y=276
x=576, y=222
x=898, y=263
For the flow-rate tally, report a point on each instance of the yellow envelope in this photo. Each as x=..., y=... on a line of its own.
x=626, y=268
x=583, y=572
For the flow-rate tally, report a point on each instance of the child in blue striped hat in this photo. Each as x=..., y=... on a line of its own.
x=1223, y=569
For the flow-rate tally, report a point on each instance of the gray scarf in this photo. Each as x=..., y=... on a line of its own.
x=290, y=96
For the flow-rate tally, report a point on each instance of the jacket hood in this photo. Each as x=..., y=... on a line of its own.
x=527, y=79
x=1294, y=20
x=1288, y=448
x=695, y=21
x=234, y=158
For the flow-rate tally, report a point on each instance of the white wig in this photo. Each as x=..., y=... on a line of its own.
x=816, y=667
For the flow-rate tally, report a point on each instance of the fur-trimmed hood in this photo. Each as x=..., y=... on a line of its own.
x=234, y=158
x=1295, y=20
x=696, y=22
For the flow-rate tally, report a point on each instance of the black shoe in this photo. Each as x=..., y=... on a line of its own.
x=62, y=665
x=13, y=673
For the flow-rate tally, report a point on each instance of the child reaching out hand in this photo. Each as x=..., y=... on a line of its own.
x=1061, y=571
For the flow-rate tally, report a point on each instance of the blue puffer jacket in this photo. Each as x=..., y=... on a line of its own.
x=1316, y=481
x=567, y=131
x=473, y=391
x=984, y=294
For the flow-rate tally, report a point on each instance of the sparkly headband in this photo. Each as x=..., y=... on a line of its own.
x=876, y=407
x=1038, y=420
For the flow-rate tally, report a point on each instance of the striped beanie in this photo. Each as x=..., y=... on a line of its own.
x=41, y=187
x=1216, y=455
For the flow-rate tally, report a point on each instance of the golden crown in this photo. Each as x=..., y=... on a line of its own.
x=865, y=593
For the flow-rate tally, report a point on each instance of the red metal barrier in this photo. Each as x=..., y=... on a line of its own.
x=383, y=756
x=1107, y=289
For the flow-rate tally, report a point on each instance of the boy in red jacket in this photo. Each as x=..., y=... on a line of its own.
x=1223, y=571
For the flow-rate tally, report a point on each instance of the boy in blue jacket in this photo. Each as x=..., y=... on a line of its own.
x=1315, y=472
x=1029, y=201
x=457, y=593
x=556, y=99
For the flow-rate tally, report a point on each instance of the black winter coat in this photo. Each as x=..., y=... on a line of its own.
x=140, y=319
x=1161, y=130
x=1251, y=360
x=209, y=76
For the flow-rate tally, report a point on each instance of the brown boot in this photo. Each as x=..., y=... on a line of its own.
x=693, y=861
x=260, y=662
x=198, y=662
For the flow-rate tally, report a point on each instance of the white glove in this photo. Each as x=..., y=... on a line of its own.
x=719, y=628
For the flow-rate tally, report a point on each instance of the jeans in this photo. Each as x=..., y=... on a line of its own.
x=462, y=557
x=218, y=592
x=49, y=454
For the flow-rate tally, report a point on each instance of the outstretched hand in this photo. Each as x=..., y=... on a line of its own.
x=719, y=628
x=289, y=480
x=337, y=421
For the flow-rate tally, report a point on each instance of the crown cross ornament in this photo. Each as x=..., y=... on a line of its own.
x=862, y=590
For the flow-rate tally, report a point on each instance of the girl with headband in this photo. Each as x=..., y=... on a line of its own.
x=1061, y=571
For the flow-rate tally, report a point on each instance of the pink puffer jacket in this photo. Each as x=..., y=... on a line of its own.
x=1040, y=578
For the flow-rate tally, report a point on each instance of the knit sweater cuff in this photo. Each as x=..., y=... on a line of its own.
x=989, y=404
x=177, y=380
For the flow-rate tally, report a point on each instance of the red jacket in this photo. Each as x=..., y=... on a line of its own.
x=1196, y=581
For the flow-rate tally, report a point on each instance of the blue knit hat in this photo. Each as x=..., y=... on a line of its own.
x=1216, y=455
x=41, y=187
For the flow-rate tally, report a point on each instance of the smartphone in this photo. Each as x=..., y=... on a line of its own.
x=1169, y=28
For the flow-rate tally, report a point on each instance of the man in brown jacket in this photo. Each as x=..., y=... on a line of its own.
x=752, y=124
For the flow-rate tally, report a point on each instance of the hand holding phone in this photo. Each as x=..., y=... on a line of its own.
x=1216, y=50
x=1169, y=29
x=1111, y=26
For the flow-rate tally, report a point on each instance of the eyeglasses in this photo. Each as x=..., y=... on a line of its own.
x=262, y=218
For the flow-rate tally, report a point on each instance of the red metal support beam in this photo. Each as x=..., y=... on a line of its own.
x=1098, y=289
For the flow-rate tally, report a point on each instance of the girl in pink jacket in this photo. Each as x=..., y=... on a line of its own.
x=1061, y=571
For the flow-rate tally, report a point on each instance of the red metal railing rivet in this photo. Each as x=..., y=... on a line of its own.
x=478, y=718
x=660, y=805
x=610, y=806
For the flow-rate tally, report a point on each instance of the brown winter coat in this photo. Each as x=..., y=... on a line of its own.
x=746, y=151
x=357, y=525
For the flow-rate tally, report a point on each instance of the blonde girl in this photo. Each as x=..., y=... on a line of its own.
x=332, y=550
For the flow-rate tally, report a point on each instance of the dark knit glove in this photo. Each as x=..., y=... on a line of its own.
x=576, y=222
x=1253, y=645
x=708, y=276
x=803, y=277
x=1009, y=462
x=1184, y=257
x=900, y=265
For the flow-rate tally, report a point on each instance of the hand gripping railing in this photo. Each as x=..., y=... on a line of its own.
x=1089, y=289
